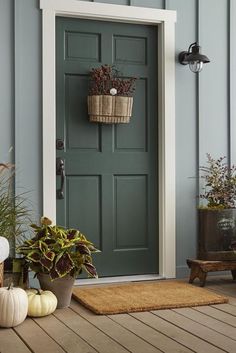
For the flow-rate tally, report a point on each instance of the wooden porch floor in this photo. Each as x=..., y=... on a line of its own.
x=206, y=329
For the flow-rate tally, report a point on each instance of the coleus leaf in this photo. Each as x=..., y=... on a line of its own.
x=63, y=264
x=24, y=248
x=49, y=241
x=41, y=233
x=45, y=221
x=43, y=246
x=34, y=256
x=48, y=264
x=83, y=249
x=29, y=242
x=34, y=226
x=92, y=248
x=90, y=269
x=53, y=274
x=72, y=233
x=67, y=244
x=50, y=255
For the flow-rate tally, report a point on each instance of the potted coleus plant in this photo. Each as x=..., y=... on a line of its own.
x=217, y=217
x=110, y=97
x=57, y=255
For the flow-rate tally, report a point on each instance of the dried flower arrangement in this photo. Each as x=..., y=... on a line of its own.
x=220, y=183
x=105, y=80
x=110, y=96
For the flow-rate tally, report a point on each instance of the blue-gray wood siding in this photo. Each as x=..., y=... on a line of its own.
x=205, y=106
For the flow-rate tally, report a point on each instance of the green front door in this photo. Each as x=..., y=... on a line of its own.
x=110, y=190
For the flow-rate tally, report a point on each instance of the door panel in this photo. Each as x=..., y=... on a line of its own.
x=80, y=135
x=85, y=193
x=131, y=229
x=111, y=170
x=134, y=136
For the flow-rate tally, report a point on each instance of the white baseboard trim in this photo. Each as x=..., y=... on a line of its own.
x=117, y=279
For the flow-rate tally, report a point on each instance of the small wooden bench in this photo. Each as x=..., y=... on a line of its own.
x=200, y=268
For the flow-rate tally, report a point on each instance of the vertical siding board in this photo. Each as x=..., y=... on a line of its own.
x=28, y=101
x=7, y=80
x=232, y=77
x=213, y=80
x=185, y=136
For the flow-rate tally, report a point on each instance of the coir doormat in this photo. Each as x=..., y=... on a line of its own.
x=144, y=296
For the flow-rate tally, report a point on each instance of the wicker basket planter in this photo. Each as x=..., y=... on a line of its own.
x=109, y=109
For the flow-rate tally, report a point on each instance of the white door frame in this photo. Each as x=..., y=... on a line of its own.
x=165, y=20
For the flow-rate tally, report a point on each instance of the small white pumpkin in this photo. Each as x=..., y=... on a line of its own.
x=4, y=249
x=13, y=306
x=41, y=303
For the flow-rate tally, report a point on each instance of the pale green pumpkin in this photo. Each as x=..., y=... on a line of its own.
x=41, y=303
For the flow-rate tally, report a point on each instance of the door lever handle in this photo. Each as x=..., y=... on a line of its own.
x=60, y=170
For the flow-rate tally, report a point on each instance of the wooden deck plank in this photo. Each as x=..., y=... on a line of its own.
x=36, y=338
x=207, y=334
x=228, y=308
x=176, y=333
x=157, y=339
x=66, y=338
x=212, y=321
x=228, y=290
x=96, y=338
x=219, y=315
x=127, y=339
x=9, y=341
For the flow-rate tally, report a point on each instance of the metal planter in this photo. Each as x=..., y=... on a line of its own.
x=216, y=234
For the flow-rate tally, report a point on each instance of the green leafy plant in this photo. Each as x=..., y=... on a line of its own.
x=220, y=183
x=57, y=251
x=105, y=78
x=14, y=213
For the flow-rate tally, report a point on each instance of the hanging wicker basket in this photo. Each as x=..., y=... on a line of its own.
x=109, y=109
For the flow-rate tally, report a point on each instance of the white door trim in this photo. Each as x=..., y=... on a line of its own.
x=165, y=20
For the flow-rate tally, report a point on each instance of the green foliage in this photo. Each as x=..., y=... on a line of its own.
x=220, y=183
x=58, y=251
x=14, y=213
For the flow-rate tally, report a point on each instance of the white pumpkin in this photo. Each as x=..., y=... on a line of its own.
x=4, y=249
x=41, y=303
x=13, y=306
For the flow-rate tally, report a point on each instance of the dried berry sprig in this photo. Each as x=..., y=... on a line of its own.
x=106, y=77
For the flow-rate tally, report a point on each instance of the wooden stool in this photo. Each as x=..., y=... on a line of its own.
x=200, y=268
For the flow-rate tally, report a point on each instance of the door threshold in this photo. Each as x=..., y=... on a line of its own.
x=117, y=279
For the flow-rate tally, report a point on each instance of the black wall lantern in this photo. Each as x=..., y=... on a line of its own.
x=193, y=58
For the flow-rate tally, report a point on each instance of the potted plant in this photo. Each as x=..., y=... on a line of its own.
x=14, y=215
x=110, y=97
x=217, y=217
x=57, y=255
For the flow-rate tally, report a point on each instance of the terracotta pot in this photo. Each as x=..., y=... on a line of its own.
x=61, y=287
x=217, y=234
